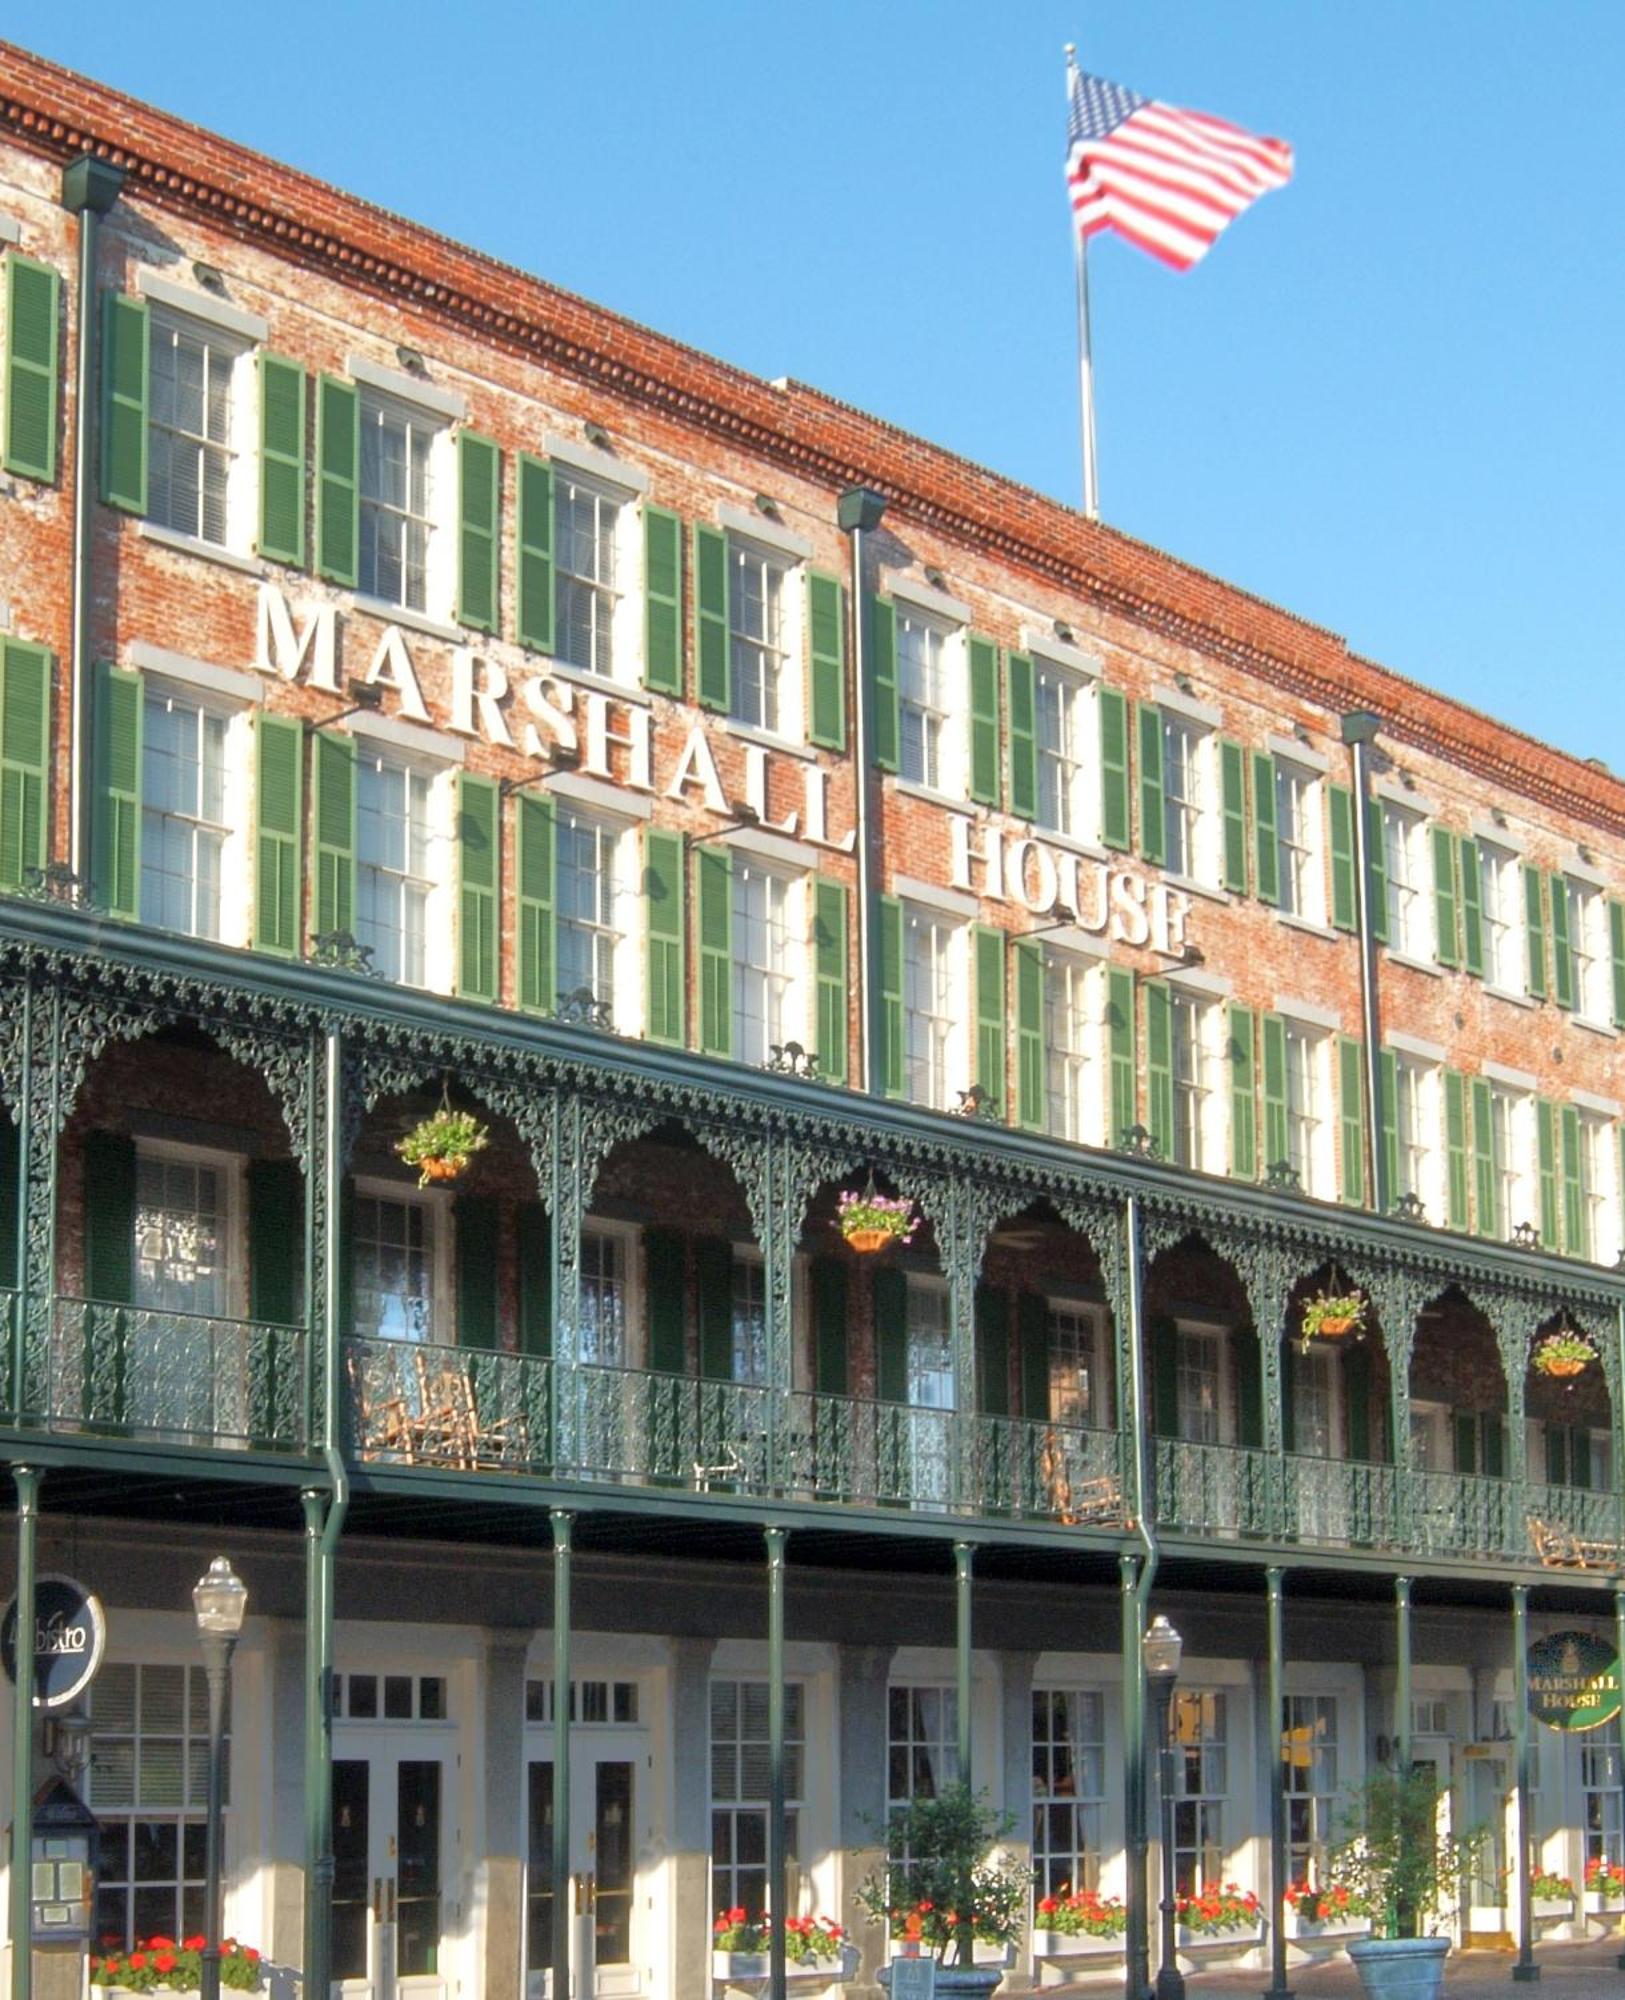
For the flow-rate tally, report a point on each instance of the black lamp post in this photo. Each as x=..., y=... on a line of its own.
x=220, y=1599
x=1163, y=1651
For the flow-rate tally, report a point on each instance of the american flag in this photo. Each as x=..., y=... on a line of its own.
x=1168, y=180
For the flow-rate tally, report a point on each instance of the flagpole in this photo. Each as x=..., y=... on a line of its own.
x=1086, y=364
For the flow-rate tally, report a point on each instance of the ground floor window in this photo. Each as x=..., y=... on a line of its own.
x=739, y=1788
x=1600, y=1777
x=1201, y=1780
x=922, y=1743
x=1069, y=1787
x=1309, y=1754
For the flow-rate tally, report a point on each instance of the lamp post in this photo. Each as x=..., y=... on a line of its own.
x=1163, y=1651
x=220, y=1599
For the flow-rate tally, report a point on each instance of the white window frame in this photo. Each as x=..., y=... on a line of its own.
x=798, y=1705
x=1419, y=1153
x=236, y=351
x=1074, y=1068
x=1212, y=1128
x=790, y=976
x=949, y=778
x=1311, y=1126
x=628, y=1239
x=624, y=590
x=950, y=1060
x=1073, y=760
x=1590, y=952
x=1515, y=1183
x=1191, y=1723
x=1321, y=1355
x=1218, y=1339
x=1201, y=832
x=440, y=882
x=1599, y=1185
x=438, y=1225
x=788, y=724
x=237, y=783
x=615, y=834
x=1079, y=1342
x=917, y=1740
x=1409, y=897
x=748, y=1262
x=1501, y=896
x=1320, y=1795
x=440, y=519
x=1086, y=1809
x=233, y=1258
x=1300, y=841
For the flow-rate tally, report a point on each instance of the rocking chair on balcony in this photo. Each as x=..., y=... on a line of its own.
x=1559, y=1547
x=449, y=1428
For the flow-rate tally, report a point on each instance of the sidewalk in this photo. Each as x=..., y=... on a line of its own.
x=1586, y=1971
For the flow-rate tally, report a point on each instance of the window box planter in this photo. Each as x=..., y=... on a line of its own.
x=752, y=1969
x=1605, y=1902
x=1075, y=1944
x=1218, y=1944
x=1327, y=1930
x=1552, y=1909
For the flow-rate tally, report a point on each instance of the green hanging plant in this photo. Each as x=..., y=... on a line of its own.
x=442, y=1145
x=1332, y=1315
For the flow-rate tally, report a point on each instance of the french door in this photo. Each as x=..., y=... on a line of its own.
x=598, y=1901
x=393, y=1842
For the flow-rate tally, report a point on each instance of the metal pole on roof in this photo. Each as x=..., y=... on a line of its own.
x=1086, y=361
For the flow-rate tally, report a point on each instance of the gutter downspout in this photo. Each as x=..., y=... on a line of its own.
x=858, y=514
x=1135, y=1599
x=89, y=189
x=1360, y=732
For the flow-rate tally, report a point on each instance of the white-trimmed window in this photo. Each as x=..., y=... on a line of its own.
x=1201, y=1406
x=1309, y=1754
x=186, y=1225
x=758, y=645
x=1069, y=1789
x=1300, y=868
x=923, y=698
x=1193, y=1026
x=1186, y=798
x=402, y=847
x=922, y=1742
x=1602, y=1779
x=196, y=425
x=763, y=963
x=1317, y=1429
x=398, y=1259
x=1308, y=1131
x=1416, y=1116
x=1599, y=1188
x=740, y=1773
x=1589, y=951
x=587, y=588
x=749, y=1317
x=606, y=1294
x=1410, y=930
x=590, y=897
x=403, y=472
x=1199, y=1723
x=1071, y=1038
x=148, y=1787
x=1064, y=704
x=1511, y=1144
x=1500, y=877
x=1077, y=1376
x=194, y=758
x=933, y=989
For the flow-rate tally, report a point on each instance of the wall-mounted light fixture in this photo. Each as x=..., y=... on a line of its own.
x=935, y=578
x=208, y=276
x=411, y=360
x=1063, y=632
x=596, y=436
x=766, y=504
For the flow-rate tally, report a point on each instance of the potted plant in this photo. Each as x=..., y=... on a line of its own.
x=442, y=1145
x=163, y=1964
x=1562, y=1354
x=873, y=1221
x=1605, y=1885
x=1082, y=1924
x=945, y=1889
x=1331, y=1315
x=1398, y=1859
x=1229, y=1916
x=1327, y=1909
x=815, y=1948
x=1551, y=1895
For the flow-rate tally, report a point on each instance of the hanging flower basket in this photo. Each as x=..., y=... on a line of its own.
x=1562, y=1355
x=1331, y=1316
x=440, y=1147
x=872, y=1221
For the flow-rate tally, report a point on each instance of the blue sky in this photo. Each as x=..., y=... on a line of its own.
x=1389, y=399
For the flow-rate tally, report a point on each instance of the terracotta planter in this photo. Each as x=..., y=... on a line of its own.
x=436, y=1169
x=867, y=1241
x=1560, y=1368
x=1334, y=1329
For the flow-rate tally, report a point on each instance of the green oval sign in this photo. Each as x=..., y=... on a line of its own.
x=1574, y=1681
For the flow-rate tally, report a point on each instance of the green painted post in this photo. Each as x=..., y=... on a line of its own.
x=1274, y=1738
x=964, y=1556
x=777, y=1884
x=563, y=1904
x=1402, y=1674
x=1136, y=1939
x=318, y=1740
x=1525, y=1971
x=22, y=1739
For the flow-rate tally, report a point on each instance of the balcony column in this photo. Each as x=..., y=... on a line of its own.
x=1274, y=1749
x=41, y=1115
x=1509, y=1318
x=1526, y=1970
x=567, y=1200
x=563, y=1898
x=1267, y=1274
x=777, y=1844
x=27, y=1480
x=318, y=1748
x=961, y=1249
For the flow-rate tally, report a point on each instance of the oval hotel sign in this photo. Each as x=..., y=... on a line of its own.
x=69, y=1633
x=1574, y=1681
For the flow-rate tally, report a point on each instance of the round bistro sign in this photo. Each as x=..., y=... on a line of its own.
x=70, y=1630
x=1574, y=1681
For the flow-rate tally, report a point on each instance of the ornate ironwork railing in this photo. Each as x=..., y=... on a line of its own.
x=415, y=1403
x=1340, y=1503
x=1463, y=1514
x=172, y=1376
x=1216, y=1489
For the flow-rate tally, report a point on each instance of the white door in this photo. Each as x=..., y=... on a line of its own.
x=600, y=1902
x=392, y=1846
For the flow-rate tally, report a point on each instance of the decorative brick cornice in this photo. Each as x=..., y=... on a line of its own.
x=305, y=221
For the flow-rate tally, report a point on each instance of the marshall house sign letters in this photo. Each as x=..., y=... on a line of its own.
x=1573, y=1681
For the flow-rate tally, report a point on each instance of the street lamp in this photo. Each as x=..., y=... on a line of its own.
x=1163, y=1651
x=220, y=1599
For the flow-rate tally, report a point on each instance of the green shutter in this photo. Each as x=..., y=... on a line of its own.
x=282, y=460
x=1249, y=1388
x=1243, y=1095
x=826, y=649
x=830, y=973
x=476, y=1234
x=1556, y=1439
x=338, y=479
x=1114, y=814
x=1446, y=903
x=663, y=922
x=891, y=996
x=10, y=1212
x=984, y=720
x=33, y=343
x=1455, y=1146
x=1534, y=923
x=714, y=887
x=109, y=1217
x=711, y=617
x=988, y=946
x=883, y=680
x=1277, y=1142
x=534, y=1238
x=1340, y=816
x=1233, y=794
x=479, y=506
x=1376, y=875
x=663, y=1270
x=1465, y=1431
x=1546, y=1137
x=279, y=807
x=117, y=801
x=1486, y=1189
x=1388, y=1124
x=888, y=1292
x=1122, y=1110
x=662, y=601
x=125, y=377
x=1472, y=906
x=1351, y=1118
x=1562, y=948
x=25, y=759
x=1580, y=1457
x=1165, y=1377
x=1616, y=950
x=535, y=839
x=1266, y=844
x=1159, y=1067
x=1021, y=686
x=1576, y=1236
x=1030, y=1107
x=1153, y=827
x=993, y=1351
x=334, y=817
x=533, y=552
x=827, y=1282
x=1357, y=1395
x=714, y=1296
x=1492, y=1436
x=276, y=1242
x=1032, y=1336
x=478, y=850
